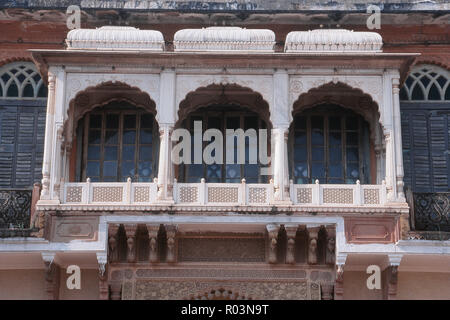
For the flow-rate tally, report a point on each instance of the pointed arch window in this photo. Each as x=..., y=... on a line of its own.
x=426, y=83
x=21, y=80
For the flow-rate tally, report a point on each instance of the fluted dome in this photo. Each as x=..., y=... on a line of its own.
x=224, y=39
x=115, y=38
x=333, y=40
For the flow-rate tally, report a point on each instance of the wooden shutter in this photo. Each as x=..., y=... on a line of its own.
x=22, y=126
x=425, y=135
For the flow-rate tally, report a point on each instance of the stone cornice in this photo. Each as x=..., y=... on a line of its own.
x=45, y=58
x=220, y=210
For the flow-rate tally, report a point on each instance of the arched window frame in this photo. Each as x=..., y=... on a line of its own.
x=435, y=75
x=21, y=74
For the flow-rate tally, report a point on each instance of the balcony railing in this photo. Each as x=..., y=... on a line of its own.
x=240, y=194
x=15, y=208
x=431, y=211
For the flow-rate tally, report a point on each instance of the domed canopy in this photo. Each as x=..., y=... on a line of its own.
x=333, y=40
x=224, y=39
x=115, y=38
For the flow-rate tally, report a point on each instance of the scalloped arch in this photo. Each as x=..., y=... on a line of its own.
x=261, y=84
x=185, y=106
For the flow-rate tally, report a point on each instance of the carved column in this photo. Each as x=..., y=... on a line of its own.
x=171, y=232
x=313, y=235
x=165, y=166
x=51, y=277
x=272, y=231
x=103, y=289
x=116, y=291
x=48, y=143
x=390, y=176
x=398, y=139
x=57, y=161
x=130, y=230
x=339, y=282
x=280, y=165
x=392, y=276
x=391, y=279
x=113, y=242
x=330, y=255
x=153, y=242
x=327, y=291
x=291, y=232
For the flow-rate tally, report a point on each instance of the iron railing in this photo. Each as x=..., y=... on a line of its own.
x=431, y=211
x=15, y=208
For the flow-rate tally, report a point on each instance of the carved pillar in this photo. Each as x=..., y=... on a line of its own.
x=165, y=166
x=272, y=230
x=339, y=282
x=113, y=242
x=330, y=255
x=130, y=230
x=291, y=232
x=390, y=176
x=116, y=291
x=391, y=279
x=103, y=289
x=280, y=165
x=51, y=276
x=327, y=291
x=57, y=161
x=48, y=143
x=398, y=139
x=392, y=276
x=153, y=242
x=171, y=232
x=313, y=235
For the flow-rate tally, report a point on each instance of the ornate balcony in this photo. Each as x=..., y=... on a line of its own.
x=124, y=195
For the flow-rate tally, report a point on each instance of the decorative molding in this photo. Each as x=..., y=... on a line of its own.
x=224, y=39
x=272, y=230
x=313, y=235
x=130, y=230
x=333, y=40
x=153, y=242
x=115, y=38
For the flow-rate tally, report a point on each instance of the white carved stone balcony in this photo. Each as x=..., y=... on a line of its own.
x=142, y=194
x=338, y=194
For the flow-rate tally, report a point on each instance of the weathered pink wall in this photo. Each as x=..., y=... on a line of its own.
x=22, y=284
x=424, y=285
x=355, y=287
x=89, y=286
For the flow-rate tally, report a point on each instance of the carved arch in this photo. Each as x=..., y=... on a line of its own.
x=349, y=98
x=261, y=84
x=227, y=95
x=79, y=82
x=100, y=95
x=370, y=85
